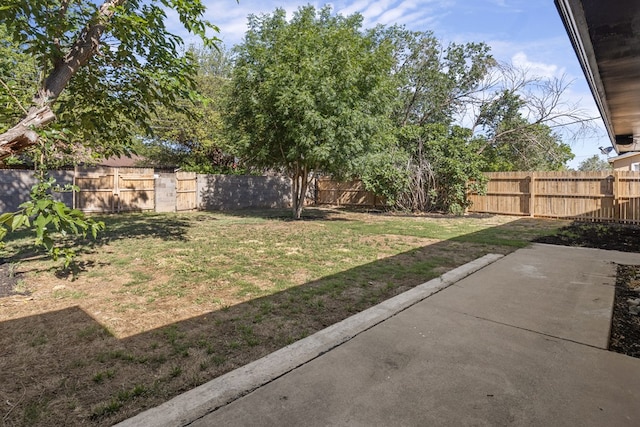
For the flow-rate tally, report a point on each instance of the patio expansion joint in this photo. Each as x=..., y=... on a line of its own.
x=544, y=334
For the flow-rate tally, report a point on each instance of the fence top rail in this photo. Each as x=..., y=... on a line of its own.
x=564, y=174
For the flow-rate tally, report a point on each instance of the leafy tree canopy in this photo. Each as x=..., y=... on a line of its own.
x=523, y=146
x=18, y=78
x=311, y=94
x=435, y=83
x=593, y=164
x=103, y=67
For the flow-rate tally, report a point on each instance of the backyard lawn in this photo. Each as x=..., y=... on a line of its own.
x=164, y=302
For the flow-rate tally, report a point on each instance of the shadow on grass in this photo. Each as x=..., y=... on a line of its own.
x=309, y=214
x=618, y=237
x=65, y=368
x=144, y=225
x=20, y=248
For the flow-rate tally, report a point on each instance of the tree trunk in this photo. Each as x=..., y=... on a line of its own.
x=299, y=186
x=22, y=136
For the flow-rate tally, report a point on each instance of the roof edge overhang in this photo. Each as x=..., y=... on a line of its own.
x=623, y=156
x=575, y=23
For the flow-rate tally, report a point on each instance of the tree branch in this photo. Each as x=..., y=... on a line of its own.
x=85, y=46
x=23, y=135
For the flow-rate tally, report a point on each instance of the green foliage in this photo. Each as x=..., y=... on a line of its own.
x=594, y=163
x=195, y=138
x=444, y=168
x=386, y=174
x=137, y=66
x=18, y=77
x=514, y=126
x=436, y=82
x=102, y=100
x=49, y=219
x=310, y=94
x=520, y=146
x=44, y=216
x=500, y=114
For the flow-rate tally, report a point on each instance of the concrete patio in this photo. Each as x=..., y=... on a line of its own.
x=521, y=340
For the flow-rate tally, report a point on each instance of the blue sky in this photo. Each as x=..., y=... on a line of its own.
x=528, y=33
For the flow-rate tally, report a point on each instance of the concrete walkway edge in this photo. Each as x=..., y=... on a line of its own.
x=182, y=410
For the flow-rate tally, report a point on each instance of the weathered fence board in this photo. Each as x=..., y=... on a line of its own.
x=595, y=196
x=108, y=190
x=351, y=193
x=186, y=191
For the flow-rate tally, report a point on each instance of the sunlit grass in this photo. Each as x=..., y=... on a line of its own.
x=163, y=302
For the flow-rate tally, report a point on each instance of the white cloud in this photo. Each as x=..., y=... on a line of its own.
x=536, y=69
x=376, y=9
x=354, y=7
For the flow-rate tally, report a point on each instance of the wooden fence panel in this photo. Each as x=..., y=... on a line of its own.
x=186, y=191
x=585, y=195
x=96, y=190
x=135, y=190
x=627, y=187
x=350, y=193
x=110, y=190
x=507, y=193
x=594, y=196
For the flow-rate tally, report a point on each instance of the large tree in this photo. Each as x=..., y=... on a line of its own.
x=117, y=61
x=311, y=94
x=435, y=83
x=520, y=120
x=533, y=147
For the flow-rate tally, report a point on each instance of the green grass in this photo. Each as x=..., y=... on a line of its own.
x=163, y=302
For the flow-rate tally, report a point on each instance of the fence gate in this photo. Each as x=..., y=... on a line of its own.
x=186, y=191
x=110, y=190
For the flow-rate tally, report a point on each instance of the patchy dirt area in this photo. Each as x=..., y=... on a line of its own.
x=625, y=325
x=9, y=281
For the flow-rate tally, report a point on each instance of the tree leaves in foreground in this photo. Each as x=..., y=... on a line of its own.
x=105, y=67
x=311, y=94
x=50, y=220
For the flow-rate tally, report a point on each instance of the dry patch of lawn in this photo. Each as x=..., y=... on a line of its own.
x=163, y=303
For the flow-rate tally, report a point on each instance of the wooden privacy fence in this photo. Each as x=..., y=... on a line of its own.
x=114, y=189
x=352, y=193
x=594, y=196
x=186, y=191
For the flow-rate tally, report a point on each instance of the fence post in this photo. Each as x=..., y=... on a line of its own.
x=532, y=194
x=116, y=191
x=616, y=195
